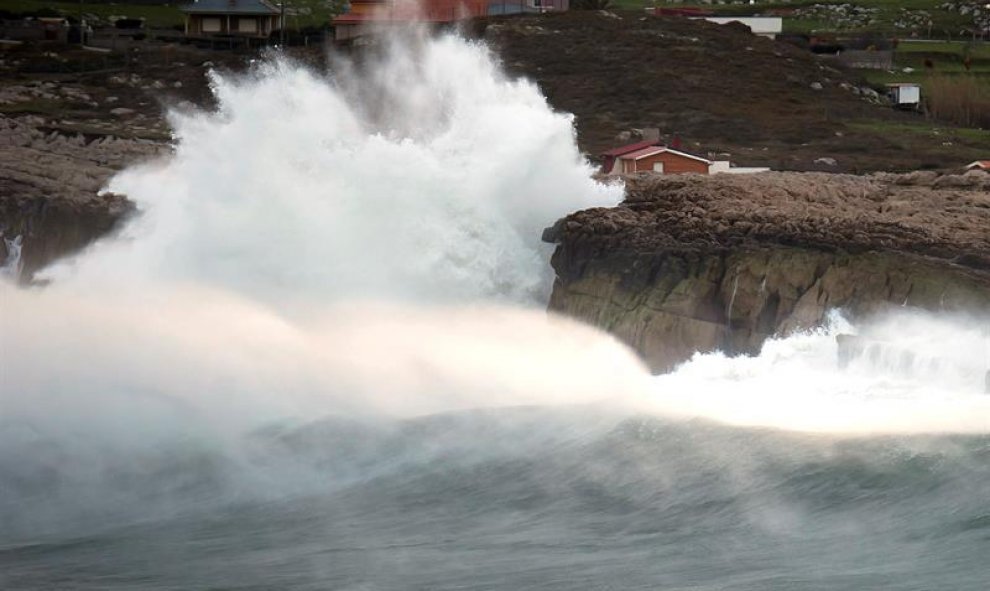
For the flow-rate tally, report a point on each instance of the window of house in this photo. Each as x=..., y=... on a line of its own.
x=247, y=25
x=211, y=24
x=658, y=167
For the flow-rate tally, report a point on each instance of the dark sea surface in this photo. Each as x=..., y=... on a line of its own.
x=523, y=498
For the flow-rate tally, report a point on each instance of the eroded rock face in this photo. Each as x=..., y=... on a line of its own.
x=701, y=263
x=50, y=187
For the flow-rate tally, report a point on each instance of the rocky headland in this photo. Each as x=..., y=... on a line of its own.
x=50, y=184
x=698, y=263
x=69, y=120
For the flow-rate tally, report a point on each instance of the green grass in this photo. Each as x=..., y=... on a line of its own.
x=946, y=57
x=155, y=16
x=945, y=24
x=162, y=16
x=926, y=131
x=976, y=50
x=319, y=14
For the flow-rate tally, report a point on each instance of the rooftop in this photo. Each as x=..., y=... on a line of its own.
x=643, y=153
x=622, y=150
x=650, y=151
x=230, y=7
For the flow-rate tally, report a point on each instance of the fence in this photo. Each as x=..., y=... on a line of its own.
x=867, y=60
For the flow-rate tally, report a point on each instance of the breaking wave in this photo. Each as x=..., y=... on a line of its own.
x=326, y=326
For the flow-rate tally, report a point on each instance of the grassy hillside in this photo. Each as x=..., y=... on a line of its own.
x=719, y=89
x=903, y=18
x=301, y=13
x=722, y=90
x=158, y=16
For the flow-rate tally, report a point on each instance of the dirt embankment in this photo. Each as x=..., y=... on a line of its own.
x=695, y=263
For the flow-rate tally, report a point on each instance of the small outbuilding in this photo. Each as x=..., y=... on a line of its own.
x=240, y=18
x=652, y=156
x=905, y=95
x=979, y=165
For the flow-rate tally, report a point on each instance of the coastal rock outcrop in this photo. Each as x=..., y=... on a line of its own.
x=50, y=186
x=698, y=263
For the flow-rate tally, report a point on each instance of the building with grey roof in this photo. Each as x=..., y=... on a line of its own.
x=241, y=18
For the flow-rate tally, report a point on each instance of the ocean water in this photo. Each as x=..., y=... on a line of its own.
x=319, y=359
x=568, y=498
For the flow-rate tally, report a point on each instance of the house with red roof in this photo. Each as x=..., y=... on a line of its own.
x=979, y=165
x=652, y=156
x=649, y=156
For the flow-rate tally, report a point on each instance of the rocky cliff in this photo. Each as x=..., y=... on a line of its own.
x=49, y=187
x=698, y=263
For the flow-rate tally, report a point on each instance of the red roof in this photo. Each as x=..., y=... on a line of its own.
x=403, y=11
x=623, y=150
x=357, y=19
x=651, y=150
x=643, y=153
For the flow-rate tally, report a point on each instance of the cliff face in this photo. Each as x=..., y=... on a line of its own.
x=49, y=188
x=699, y=263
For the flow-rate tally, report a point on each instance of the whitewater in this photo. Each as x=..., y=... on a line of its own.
x=319, y=358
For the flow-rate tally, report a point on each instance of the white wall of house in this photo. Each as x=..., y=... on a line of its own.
x=725, y=167
x=746, y=170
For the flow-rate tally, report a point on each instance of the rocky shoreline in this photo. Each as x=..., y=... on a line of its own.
x=698, y=263
x=50, y=184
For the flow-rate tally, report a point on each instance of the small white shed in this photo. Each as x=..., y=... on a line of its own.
x=904, y=94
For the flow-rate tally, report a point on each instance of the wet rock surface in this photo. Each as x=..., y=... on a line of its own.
x=691, y=263
x=50, y=183
x=69, y=120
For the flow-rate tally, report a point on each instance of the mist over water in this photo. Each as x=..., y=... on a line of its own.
x=914, y=373
x=325, y=333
